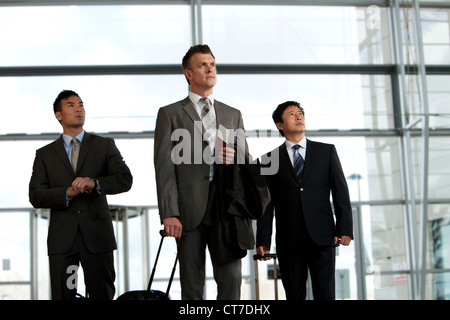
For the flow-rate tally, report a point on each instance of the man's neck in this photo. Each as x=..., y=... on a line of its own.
x=73, y=132
x=202, y=93
x=295, y=138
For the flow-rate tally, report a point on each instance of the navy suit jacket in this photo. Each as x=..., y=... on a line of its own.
x=322, y=176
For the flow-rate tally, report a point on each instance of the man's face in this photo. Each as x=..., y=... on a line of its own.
x=202, y=72
x=293, y=121
x=72, y=113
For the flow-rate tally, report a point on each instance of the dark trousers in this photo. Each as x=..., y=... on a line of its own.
x=320, y=261
x=98, y=269
x=192, y=253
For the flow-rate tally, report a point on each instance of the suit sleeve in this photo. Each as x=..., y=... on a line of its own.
x=341, y=198
x=40, y=194
x=166, y=184
x=119, y=178
x=264, y=227
x=241, y=145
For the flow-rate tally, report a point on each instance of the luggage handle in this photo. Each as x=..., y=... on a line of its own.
x=275, y=276
x=163, y=235
x=267, y=255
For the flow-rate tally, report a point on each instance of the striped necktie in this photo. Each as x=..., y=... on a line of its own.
x=299, y=163
x=209, y=124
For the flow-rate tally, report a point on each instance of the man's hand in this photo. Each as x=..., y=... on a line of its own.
x=173, y=227
x=262, y=250
x=226, y=156
x=344, y=240
x=80, y=185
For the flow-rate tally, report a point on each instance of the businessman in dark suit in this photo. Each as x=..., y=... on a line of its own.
x=75, y=188
x=190, y=182
x=306, y=231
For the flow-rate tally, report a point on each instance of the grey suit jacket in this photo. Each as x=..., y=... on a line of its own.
x=182, y=175
x=52, y=174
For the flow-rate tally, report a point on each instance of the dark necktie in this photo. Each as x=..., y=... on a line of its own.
x=299, y=163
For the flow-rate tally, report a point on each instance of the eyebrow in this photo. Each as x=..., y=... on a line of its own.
x=71, y=102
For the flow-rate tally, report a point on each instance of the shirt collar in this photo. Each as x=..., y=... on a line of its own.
x=195, y=98
x=68, y=139
x=302, y=143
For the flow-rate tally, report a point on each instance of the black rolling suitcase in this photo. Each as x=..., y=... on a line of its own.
x=275, y=273
x=150, y=294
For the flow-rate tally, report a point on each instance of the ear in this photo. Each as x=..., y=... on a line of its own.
x=279, y=125
x=188, y=74
x=58, y=115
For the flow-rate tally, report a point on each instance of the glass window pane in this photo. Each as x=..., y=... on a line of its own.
x=296, y=34
x=131, y=103
x=438, y=286
x=112, y=103
x=43, y=272
x=376, y=160
x=17, y=167
x=435, y=25
x=438, y=283
x=15, y=255
x=330, y=101
x=137, y=153
x=438, y=98
x=383, y=163
x=94, y=35
x=438, y=169
x=386, y=260
x=436, y=37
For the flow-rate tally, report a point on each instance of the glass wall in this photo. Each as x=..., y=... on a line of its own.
x=94, y=35
x=360, y=91
x=295, y=34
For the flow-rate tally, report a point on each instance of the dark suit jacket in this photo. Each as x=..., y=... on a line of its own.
x=52, y=174
x=183, y=188
x=322, y=174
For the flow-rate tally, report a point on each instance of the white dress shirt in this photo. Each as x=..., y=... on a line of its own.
x=302, y=149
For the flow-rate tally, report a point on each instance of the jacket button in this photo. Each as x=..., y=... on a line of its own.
x=301, y=189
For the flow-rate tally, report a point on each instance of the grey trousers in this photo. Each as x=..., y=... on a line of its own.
x=192, y=255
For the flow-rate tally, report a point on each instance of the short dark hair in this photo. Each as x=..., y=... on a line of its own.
x=277, y=115
x=200, y=48
x=65, y=94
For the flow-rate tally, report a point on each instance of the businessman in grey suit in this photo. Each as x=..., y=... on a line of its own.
x=189, y=182
x=75, y=189
x=306, y=230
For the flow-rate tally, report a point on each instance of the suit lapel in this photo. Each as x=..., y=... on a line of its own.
x=286, y=162
x=84, y=149
x=189, y=108
x=62, y=154
x=311, y=152
x=220, y=114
